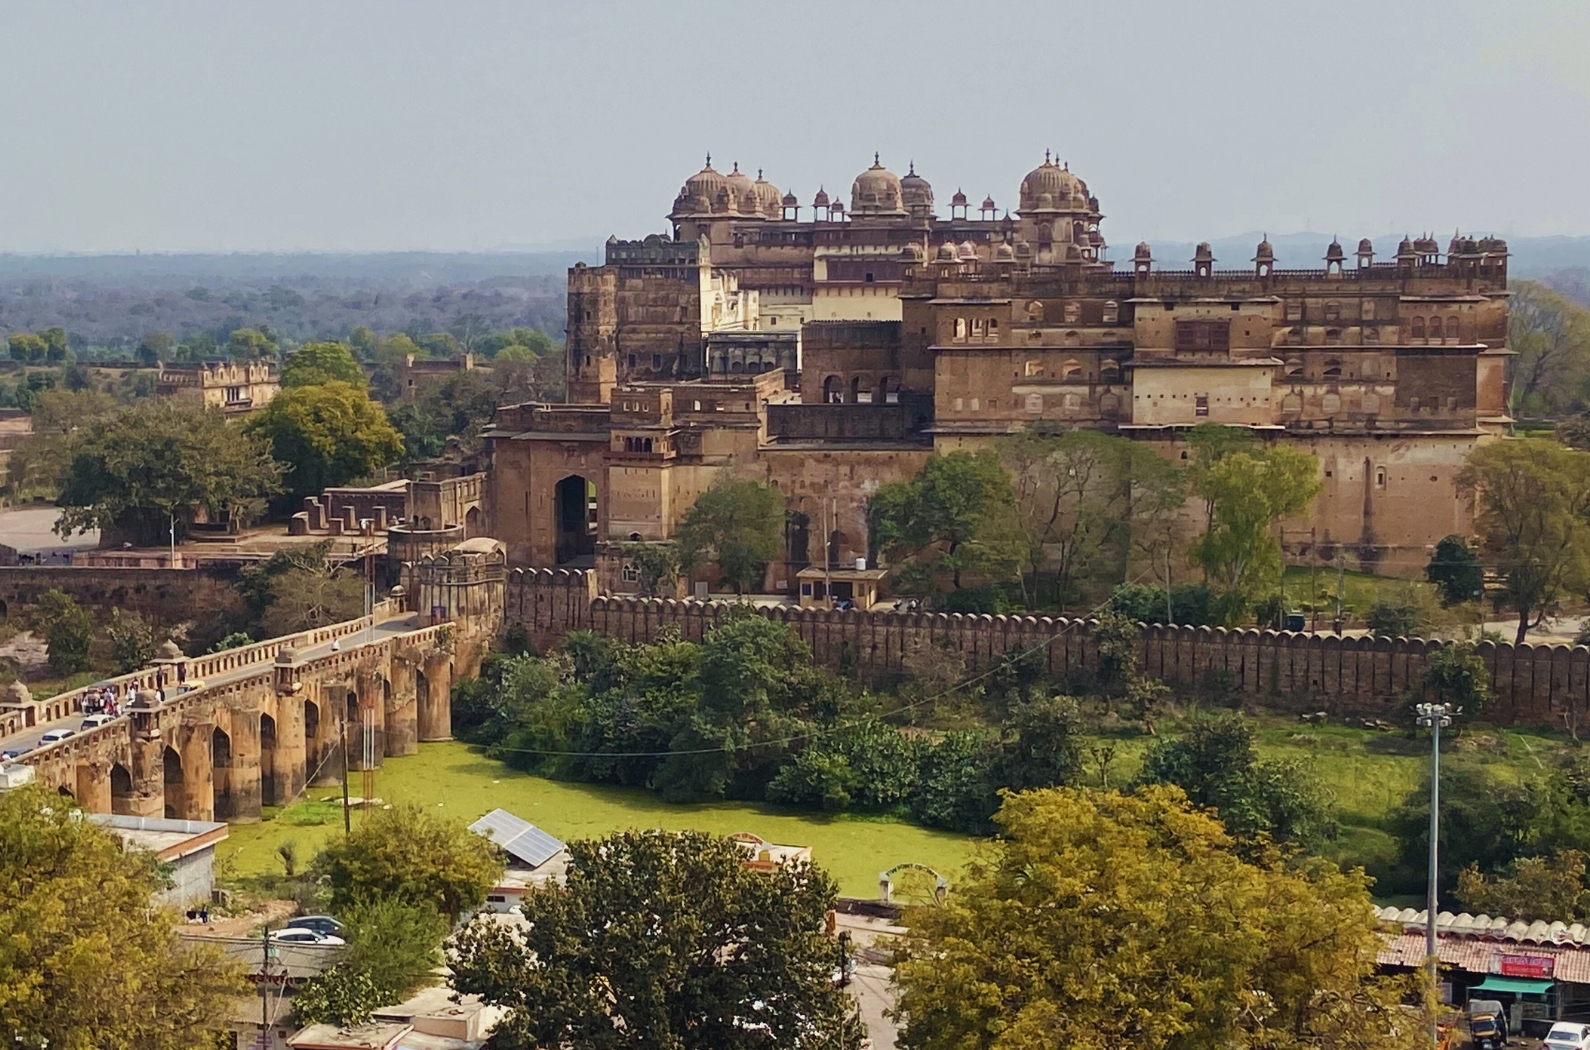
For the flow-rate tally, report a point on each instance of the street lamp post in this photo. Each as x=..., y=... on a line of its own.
x=1436, y=717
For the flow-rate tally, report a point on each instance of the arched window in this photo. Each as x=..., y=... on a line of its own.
x=1034, y=368
x=1109, y=371
x=1333, y=369
x=833, y=391
x=977, y=328
x=861, y=391
x=1073, y=312
x=1035, y=311
x=889, y=387
x=1071, y=371
x=1452, y=327
x=993, y=328
x=960, y=328
x=1435, y=328
x=1417, y=328
x=1294, y=368
x=1112, y=312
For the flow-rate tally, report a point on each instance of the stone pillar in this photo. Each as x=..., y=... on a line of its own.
x=402, y=709
x=198, y=776
x=367, y=687
x=434, y=697
x=237, y=784
x=148, y=796
x=93, y=787
x=282, y=765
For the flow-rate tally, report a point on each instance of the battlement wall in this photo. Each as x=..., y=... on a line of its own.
x=1534, y=684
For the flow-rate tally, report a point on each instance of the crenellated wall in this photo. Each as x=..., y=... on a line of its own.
x=1533, y=684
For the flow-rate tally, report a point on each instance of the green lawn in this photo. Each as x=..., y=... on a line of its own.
x=465, y=785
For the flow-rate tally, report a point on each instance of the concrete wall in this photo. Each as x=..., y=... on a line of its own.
x=1534, y=685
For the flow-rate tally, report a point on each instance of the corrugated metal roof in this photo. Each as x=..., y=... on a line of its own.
x=1481, y=956
x=1499, y=928
x=518, y=837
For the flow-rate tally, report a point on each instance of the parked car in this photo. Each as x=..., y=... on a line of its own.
x=300, y=935
x=95, y=721
x=55, y=736
x=324, y=925
x=14, y=752
x=1568, y=1036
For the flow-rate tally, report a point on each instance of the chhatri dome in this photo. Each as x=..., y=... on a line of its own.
x=916, y=194
x=1052, y=187
x=877, y=191
x=699, y=192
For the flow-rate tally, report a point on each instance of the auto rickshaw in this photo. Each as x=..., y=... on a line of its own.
x=1487, y=1024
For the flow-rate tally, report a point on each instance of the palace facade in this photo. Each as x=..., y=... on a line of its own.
x=833, y=353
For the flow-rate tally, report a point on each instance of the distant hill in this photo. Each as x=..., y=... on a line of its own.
x=423, y=269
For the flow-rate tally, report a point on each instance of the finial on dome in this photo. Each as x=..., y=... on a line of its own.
x=1046, y=156
x=1068, y=165
x=759, y=174
x=736, y=168
x=911, y=168
x=709, y=158
x=875, y=161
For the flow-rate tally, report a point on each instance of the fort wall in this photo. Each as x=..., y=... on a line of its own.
x=163, y=595
x=1534, y=684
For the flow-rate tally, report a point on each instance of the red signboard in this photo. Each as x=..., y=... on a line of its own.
x=1525, y=965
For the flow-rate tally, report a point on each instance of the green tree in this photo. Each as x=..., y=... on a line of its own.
x=656, y=567
x=1216, y=762
x=56, y=345
x=340, y=995
x=737, y=523
x=1533, y=496
x=1456, y=571
x=85, y=962
x=328, y=434
x=1530, y=889
x=1405, y=612
x=68, y=628
x=1073, y=497
x=154, y=348
x=1099, y=920
x=665, y=939
x=38, y=466
x=409, y=853
x=1550, y=337
x=316, y=596
x=315, y=363
x=1485, y=821
x=26, y=347
x=158, y=461
x=1246, y=493
x=250, y=344
x=132, y=640
x=955, y=517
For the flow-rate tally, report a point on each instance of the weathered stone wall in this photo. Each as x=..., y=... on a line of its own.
x=1534, y=685
x=163, y=595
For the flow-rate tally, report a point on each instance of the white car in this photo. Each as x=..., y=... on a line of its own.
x=95, y=721
x=299, y=935
x=1568, y=1036
x=55, y=736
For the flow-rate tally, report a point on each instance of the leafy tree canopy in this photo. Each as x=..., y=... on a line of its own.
x=85, y=961
x=737, y=523
x=1534, y=497
x=1456, y=571
x=1101, y=920
x=133, y=471
x=1217, y=764
x=68, y=628
x=665, y=939
x=328, y=434
x=1530, y=889
x=315, y=363
x=956, y=517
x=410, y=853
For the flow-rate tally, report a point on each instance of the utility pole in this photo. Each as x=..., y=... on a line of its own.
x=347, y=820
x=1341, y=575
x=1436, y=717
x=264, y=987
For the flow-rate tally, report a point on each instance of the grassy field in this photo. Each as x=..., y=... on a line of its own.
x=465, y=784
x=1368, y=774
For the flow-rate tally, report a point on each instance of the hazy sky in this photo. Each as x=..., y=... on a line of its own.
x=476, y=124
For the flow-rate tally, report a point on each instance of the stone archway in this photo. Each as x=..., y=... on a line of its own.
x=225, y=803
x=121, y=789
x=173, y=788
x=317, y=747
x=474, y=524
x=270, y=786
x=574, y=514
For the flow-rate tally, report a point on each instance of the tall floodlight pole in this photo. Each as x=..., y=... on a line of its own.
x=1436, y=717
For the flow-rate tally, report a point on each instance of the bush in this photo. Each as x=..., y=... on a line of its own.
x=68, y=628
x=1403, y=614
x=975, y=600
x=1191, y=604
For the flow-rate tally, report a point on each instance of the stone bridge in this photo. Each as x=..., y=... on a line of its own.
x=249, y=727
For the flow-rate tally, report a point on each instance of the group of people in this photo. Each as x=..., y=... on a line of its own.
x=102, y=700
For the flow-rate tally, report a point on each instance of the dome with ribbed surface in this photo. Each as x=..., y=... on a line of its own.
x=876, y=191
x=1051, y=187
x=915, y=193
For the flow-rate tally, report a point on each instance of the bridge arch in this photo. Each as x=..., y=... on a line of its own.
x=270, y=791
x=121, y=789
x=172, y=784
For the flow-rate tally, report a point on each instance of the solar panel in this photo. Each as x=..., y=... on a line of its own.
x=518, y=838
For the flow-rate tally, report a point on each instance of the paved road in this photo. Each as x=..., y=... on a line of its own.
x=29, y=739
x=28, y=529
